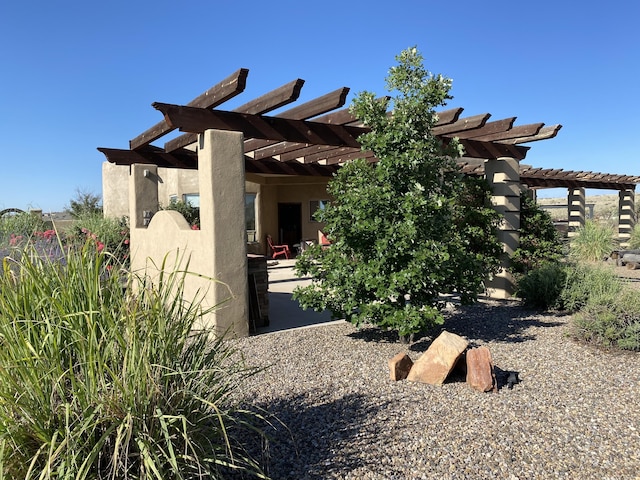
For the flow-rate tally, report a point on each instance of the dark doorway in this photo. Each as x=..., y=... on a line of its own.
x=290, y=224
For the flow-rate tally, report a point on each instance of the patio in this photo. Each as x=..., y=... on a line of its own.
x=284, y=311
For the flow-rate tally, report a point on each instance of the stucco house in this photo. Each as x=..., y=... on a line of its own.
x=254, y=174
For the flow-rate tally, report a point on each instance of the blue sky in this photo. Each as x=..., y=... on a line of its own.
x=76, y=75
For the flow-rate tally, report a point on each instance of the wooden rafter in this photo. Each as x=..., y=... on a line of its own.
x=515, y=132
x=464, y=124
x=216, y=95
x=197, y=120
x=266, y=103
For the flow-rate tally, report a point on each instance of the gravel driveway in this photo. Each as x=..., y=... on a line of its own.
x=575, y=413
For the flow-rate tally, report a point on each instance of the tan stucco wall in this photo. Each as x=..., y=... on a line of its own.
x=215, y=256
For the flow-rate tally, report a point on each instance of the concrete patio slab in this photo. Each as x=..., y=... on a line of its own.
x=284, y=312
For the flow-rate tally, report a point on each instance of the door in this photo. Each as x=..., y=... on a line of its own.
x=289, y=224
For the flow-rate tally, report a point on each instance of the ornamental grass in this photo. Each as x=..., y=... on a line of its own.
x=102, y=381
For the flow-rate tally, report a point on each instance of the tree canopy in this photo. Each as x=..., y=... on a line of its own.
x=409, y=228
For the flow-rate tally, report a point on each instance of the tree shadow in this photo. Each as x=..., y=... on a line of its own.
x=305, y=435
x=497, y=321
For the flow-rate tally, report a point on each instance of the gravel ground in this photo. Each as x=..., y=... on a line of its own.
x=575, y=413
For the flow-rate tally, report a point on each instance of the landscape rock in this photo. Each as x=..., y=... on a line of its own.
x=399, y=367
x=480, y=372
x=436, y=363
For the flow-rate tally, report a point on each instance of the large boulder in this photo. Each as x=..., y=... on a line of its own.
x=436, y=363
x=480, y=373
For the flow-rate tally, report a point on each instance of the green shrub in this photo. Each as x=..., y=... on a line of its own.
x=588, y=284
x=100, y=383
x=188, y=211
x=614, y=323
x=542, y=286
x=111, y=233
x=539, y=240
x=593, y=242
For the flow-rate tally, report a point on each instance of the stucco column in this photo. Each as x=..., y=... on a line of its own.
x=503, y=175
x=143, y=194
x=222, y=223
x=575, y=207
x=626, y=216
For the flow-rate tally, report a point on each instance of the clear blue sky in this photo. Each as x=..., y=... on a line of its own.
x=77, y=75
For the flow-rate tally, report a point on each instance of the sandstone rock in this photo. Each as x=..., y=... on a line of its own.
x=399, y=366
x=480, y=373
x=434, y=365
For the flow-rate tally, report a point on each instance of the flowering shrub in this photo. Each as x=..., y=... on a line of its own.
x=108, y=234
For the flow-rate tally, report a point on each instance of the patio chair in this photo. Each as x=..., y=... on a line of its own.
x=278, y=249
x=323, y=240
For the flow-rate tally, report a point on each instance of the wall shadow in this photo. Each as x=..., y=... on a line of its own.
x=305, y=434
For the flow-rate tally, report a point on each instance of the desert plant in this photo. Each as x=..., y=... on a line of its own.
x=585, y=284
x=612, y=322
x=593, y=242
x=95, y=383
x=542, y=287
x=397, y=230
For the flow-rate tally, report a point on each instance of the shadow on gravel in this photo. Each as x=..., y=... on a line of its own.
x=481, y=322
x=310, y=440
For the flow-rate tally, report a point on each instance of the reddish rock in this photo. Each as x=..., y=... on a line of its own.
x=480, y=373
x=399, y=367
x=436, y=363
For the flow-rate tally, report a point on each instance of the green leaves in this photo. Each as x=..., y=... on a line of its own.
x=408, y=229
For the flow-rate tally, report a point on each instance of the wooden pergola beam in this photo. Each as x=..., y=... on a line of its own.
x=266, y=103
x=310, y=109
x=515, y=132
x=197, y=120
x=216, y=95
x=467, y=123
x=488, y=128
x=544, y=133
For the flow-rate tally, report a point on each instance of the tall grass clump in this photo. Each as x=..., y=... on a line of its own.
x=101, y=383
x=593, y=242
x=634, y=240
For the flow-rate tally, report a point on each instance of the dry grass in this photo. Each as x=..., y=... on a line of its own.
x=605, y=207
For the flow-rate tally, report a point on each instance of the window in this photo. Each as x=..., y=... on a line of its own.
x=192, y=198
x=314, y=206
x=250, y=216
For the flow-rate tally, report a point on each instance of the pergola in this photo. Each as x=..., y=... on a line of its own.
x=310, y=139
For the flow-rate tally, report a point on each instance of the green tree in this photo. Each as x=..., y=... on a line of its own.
x=539, y=240
x=84, y=203
x=408, y=229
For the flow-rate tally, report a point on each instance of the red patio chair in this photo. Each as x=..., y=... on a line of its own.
x=278, y=249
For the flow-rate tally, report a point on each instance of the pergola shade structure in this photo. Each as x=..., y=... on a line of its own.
x=313, y=138
x=282, y=138
x=298, y=141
